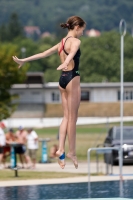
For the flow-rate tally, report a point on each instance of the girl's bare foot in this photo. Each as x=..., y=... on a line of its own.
x=61, y=159
x=74, y=159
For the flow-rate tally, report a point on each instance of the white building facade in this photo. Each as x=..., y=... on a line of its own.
x=48, y=93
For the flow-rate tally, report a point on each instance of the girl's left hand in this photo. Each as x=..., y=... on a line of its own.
x=18, y=61
x=62, y=66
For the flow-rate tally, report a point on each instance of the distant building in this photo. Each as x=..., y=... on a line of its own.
x=45, y=34
x=35, y=90
x=36, y=97
x=92, y=33
x=34, y=78
x=32, y=31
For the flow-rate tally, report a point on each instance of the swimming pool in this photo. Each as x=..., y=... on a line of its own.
x=104, y=189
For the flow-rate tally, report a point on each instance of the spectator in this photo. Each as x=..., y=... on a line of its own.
x=21, y=135
x=53, y=150
x=2, y=142
x=32, y=146
x=10, y=137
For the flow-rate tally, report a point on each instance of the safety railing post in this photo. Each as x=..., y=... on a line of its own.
x=104, y=149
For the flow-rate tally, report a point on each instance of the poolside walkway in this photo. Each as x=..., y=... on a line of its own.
x=55, y=121
x=83, y=169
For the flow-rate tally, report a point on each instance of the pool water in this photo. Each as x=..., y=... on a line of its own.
x=67, y=191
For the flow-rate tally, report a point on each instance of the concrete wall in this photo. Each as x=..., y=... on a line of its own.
x=43, y=95
x=103, y=95
x=36, y=95
x=29, y=111
x=48, y=95
x=29, y=95
x=92, y=109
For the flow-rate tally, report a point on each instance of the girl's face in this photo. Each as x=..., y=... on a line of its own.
x=79, y=30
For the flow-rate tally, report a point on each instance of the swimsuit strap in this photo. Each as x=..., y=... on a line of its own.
x=64, y=45
x=66, y=40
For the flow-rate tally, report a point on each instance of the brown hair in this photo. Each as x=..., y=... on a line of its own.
x=72, y=22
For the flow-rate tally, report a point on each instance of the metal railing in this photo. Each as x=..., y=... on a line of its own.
x=105, y=150
x=108, y=162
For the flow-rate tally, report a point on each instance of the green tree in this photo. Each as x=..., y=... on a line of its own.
x=51, y=62
x=31, y=47
x=100, y=59
x=9, y=75
x=12, y=30
x=103, y=15
x=3, y=33
x=14, y=27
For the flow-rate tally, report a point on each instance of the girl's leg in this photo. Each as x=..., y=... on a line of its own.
x=1, y=157
x=21, y=157
x=73, y=101
x=63, y=127
x=27, y=160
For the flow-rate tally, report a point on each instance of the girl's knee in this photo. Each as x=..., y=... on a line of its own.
x=65, y=118
x=72, y=115
x=72, y=119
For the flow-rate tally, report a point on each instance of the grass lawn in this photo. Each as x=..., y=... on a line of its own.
x=87, y=136
x=6, y=175
x=9, y=175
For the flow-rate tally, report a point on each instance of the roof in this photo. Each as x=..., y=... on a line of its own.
x=106, y=85
x=45, y=34
x=50, y=85
x=35, y=73
x=24, y=86
x=93, y=33
x=32, y=29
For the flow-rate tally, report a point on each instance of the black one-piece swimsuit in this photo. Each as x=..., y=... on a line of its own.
x=67, y=76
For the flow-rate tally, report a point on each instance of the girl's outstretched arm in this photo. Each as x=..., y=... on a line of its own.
x=36, y=56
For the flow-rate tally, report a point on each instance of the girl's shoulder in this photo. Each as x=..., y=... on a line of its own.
x=73, y=40
x=76, y=42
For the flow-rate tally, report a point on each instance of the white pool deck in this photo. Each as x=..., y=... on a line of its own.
x=53, y=122
x=103, y=199
x=83, y=168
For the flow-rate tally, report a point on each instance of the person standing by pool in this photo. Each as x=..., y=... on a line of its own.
x=2, y=142
x=21, y=135
x=32, y=146
x=69, y=83
x=10, y=138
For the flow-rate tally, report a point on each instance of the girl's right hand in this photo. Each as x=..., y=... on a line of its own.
x=63, y=66
x=19, y=61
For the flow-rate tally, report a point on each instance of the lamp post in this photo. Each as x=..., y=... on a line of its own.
x=122, y=28
x=23, y=52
